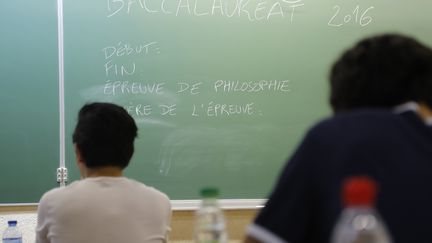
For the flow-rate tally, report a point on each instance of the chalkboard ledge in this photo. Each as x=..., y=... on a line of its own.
x=228, y=204
x=183, y=205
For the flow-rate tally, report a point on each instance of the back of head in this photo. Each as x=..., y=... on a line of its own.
x=105, y=135
x=381, y=71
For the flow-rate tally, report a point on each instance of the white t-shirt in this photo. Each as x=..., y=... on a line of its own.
x=103, y=210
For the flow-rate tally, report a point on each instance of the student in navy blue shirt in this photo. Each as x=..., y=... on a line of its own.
x=366, y=136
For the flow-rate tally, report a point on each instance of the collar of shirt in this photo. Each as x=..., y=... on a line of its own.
x=429, y=121
x=408, y=106
x=411, y=106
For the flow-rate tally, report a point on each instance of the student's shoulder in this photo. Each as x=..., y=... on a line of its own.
x=147, y=189
x=357, y=123
x=56, y=193
x=52, y=199
x=357, y=119
x=362, y=116
x=47, y=196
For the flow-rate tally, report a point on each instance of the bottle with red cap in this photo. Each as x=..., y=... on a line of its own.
x=359, y=221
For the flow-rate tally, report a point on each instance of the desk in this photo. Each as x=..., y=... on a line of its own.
x=182, y=223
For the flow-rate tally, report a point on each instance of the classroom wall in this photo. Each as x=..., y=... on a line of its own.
x=182, y=222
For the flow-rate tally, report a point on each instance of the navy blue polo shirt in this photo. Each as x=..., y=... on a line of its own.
x=394, y=149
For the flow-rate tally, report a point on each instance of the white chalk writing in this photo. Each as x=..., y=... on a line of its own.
x=213, y=109
x=251, y=86
x=362, y=19
x=128, y=87
x=126, y=49
x=251, y=10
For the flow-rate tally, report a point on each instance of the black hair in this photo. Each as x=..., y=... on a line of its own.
x=381, y=71
x=105, y=135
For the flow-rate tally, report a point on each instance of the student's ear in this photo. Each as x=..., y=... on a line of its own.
x=78, y=155
x=80, y=162
x=425, y=111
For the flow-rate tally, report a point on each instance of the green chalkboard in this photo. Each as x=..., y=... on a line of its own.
x=29, y=137
x=222, y=90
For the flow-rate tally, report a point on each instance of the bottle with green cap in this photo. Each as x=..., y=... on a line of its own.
x=210, y=221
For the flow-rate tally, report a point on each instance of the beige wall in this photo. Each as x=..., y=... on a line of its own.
x=237, y=221
x=182, y=222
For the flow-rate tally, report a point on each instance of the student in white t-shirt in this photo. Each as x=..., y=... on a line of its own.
x=103, y=207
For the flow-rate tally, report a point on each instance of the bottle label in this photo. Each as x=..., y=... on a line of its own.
x=12, y=240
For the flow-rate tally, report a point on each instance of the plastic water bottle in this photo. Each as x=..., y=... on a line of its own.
x=210, y=221
x=12, y=234
x=359, y=221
